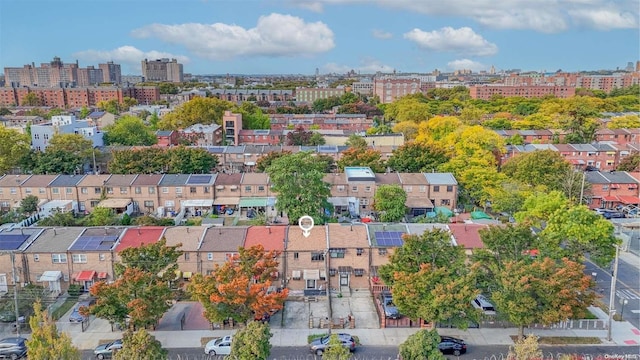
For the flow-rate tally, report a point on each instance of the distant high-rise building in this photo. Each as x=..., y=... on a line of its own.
x=162, y=70
x=89, y=76
x=111, y=72
x=58, y=74
x=629, y=66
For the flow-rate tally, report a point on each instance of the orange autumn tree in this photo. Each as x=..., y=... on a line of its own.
x=241, y=287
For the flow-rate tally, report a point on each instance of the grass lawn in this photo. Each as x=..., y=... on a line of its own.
x=66, y=306
x=564, y=340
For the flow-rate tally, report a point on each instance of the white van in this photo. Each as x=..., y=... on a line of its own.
x=481, y=302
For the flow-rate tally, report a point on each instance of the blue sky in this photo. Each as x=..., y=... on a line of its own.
x=298, y=36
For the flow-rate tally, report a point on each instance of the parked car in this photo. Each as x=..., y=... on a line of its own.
x=612, y=215
x=482, y=303
x=319, y=345
x=7, y=316
x=219, y=346
x=390, y=309
x=13, y=348
x=105, y=351
x=75, y=316
x=451, y=345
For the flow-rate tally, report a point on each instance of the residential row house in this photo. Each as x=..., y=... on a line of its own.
x=618, y=137
x=613, y=189
x=339, y=257
x=352, y=192
x=596, y=156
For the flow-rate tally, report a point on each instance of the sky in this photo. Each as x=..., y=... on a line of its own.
x=334, y=36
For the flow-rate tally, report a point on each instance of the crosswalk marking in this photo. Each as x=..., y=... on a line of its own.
x=627, y=294
x=635, y=311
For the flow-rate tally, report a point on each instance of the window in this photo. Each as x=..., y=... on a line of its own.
x=261, y=188
x=337, y=253
x=296, y=256
x=358, y=272
x=359, y=251
x=13, y=191
x=446, y=202
x=210, y=256
x=310, y=284
x=205, y=189
x=317, y=256
x=59, y=258
x=436, y=188
x=186, y=256
x=165, y=190
x=367, y=188
x=192, y=190
x=36, y=257
x=333, y=272
x=27, y=190
x=54, y=191
x=449, y=188
x=102, y=256
x=79, y=258
x=123, y=190
x=354, y=188
x=148, y=203
x=109, y=190
x=340, y=188
x=605, y=187
x=151, y=190
x=178, y=190
x=247, y=188
x=408, y=189
x=84, y=190
x=423, y=188
x=97, y=190
x=82, y=206
x=382, y=251
x=138, y=190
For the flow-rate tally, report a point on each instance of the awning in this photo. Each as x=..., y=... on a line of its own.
x=197, y=203
x=312, y=274
x=114, y=203
x=253, y=202
x=609, y=198
x=86, y=275
x=629, y=199
x=51, y=276
x=295, y=274
x=187, y=275
x=338, y=201
x=417, y=203
x=250, y=163
x=577, y=162
x=103, y=275
x=226, y=201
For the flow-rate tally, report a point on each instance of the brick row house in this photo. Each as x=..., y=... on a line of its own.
x=341, y=257
x=352, y=192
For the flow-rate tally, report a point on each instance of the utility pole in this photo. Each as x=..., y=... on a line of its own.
x=15, y=291
x=612, y=295
x=582, y=187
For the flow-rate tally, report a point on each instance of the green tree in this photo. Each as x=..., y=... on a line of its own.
x=317, y=139
x=140, y=345
x=299, y=137
x=356, y=141
x=241, y=288
x=31, y=99
x=4, y=111
x=198, y=110
x=129, y=131
x=252, y=342
x=265, y=161
x=389, y=202
x=84, y=112
x=362, y=157
x=413, y=157
x=509, y=197
x=128, y=102
x=536, y=168
x=183, y=160
x=153, y=258
x=147, y=160
x=46, y=343
x=54, y=161
x=59, y=219
x=298, y=181
x=422, y=345
x=539, y=206
x=252, y=116
x=29, y=204
x=335, y=350
x=630, y=163
x=12, y=146
x=543, y=291
x=408, y=128
x=101, y=216
x=110, y=106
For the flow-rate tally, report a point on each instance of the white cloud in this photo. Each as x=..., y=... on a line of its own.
x=367, y=66
x=315, y=6
x=604, y=19
x=380, y=34
x=462, y=41
x=466, y=64
x=547, y=16
x=274, y=35
x=127, y=55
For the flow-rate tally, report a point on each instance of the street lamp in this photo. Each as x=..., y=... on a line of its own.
x=612, y=295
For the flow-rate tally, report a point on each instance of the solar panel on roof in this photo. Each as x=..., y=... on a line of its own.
x=12, y=242
x=389, y=238
x=94, y=243
x=199, y=179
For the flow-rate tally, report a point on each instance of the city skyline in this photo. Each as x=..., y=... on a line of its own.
x=335, y=36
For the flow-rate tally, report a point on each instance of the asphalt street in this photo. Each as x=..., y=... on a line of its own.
x=484, y=352
x=627, y=299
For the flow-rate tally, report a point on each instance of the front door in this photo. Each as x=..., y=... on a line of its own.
x=3, y=283
x=344, y=279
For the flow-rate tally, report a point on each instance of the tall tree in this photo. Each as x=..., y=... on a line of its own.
x=543, y=291
x=630, y=163
x=298, y=181
x=46, y=343
x=422, y=345
x=12, y=146
x=525, y=349
x=198, y=110
x=539, y=206
x=542, y=167
x=129, y=130
x=101, y=216
x=153, y=258
x=241, y=287
x=356, y=141
x=183, y=160
x=389, y=202
x=407, y=128
x=335, y=350
x=362, y=157
x=252, y=342
x=299, y=137
x=31, y=99
x=265, y=161
x=29, y=204
x=413, y=157
x=140, y=345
